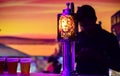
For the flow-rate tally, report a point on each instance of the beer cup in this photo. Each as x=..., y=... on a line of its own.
x=25, y=65
x=12, y=65
x=2, y=63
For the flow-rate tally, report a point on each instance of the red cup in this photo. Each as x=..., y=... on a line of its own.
x=2, y=64
x=12, y=65
x=25, y=65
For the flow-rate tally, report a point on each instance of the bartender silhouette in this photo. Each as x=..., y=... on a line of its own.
x=96, y=49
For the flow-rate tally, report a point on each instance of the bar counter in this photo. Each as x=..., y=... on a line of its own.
x=31, y=74
x=40, y=74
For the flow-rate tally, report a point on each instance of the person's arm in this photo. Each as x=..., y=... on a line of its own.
x=114, y=54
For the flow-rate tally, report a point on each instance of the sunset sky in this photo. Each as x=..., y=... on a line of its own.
x=38, y=19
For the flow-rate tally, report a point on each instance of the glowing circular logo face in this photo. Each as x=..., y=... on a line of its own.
x=66, y=26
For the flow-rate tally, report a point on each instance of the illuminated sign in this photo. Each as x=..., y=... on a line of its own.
x=66, y=27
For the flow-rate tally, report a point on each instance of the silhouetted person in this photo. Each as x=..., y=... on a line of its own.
x=96, y=49
x=53, y=65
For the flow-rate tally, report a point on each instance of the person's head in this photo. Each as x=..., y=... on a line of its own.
x=86, y=16
x=51, y=59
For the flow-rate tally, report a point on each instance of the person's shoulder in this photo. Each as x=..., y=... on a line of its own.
x=100, y=30
x=108, y=34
